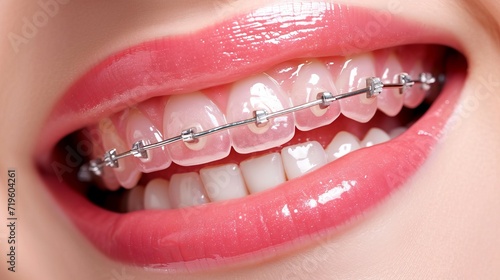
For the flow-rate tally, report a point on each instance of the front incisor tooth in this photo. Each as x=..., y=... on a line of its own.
x=259, y=92
x=195, y=110
x=186, y=189
x=263, y=173
x=342, y=144
x=313, y=78
x=156, y=195
x=223, y=182
x=353, y=77
x=302, y=158
x=374, y=136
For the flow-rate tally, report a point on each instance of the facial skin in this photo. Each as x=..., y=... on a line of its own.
x=445, y=223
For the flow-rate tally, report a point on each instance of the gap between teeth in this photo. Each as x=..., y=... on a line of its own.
x=230, y=181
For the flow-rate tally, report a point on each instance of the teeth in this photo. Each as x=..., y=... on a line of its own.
x=390, y=101
x=127, y=174
x=302, y=158
x=312, y=79
x=197, y=111
x=230, y=181
x=135, y=199
x=156, y=195
x=293, y=83
x=397, y=131
x=223, y=182
x=342, y=144
x=186, y=190
x=374, y=136
x=259, y=92
x=107, y=180
x=352, y=77
x=140, y=128
x=414, y=95
x=263, y=173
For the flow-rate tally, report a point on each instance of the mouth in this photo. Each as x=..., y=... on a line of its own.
x=251, y=192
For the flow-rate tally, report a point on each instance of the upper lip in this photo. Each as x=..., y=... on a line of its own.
x=219, y=55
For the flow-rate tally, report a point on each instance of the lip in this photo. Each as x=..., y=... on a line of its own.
x=262, y=225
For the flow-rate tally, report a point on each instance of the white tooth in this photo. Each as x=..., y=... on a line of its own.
x=390, y=101
x=263, y=172
x=156, y=195
x=312, y=79
x=260, y=92
x=397, y=131
x=374, y=136
x=127, y=173
x=302, y=158
x=135, y=199
x=352, y=77
x=223, y=182
x=342, y=144
x=195, y=110
x=186, y=189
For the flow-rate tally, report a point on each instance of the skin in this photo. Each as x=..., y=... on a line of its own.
x=444, y=224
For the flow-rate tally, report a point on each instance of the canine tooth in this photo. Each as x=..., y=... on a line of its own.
x=397, y=131
x=195, y=110
x=390, y=101
x=312, y=79
x=302, y=158
x=223, y=182
x=127, y=173
x=353, y=77
x=140, y=128
x=374, y=136
x=135, y=199
x=262, y=173
x=342, y=144
x=156, y=194
x=259, y=92
x=186, y=189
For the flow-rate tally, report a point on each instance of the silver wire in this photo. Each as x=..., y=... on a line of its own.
x=374, y=87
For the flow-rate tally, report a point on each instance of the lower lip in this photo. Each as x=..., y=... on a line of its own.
x=267, y=224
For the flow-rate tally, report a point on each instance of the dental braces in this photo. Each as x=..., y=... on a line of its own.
x=374, y=87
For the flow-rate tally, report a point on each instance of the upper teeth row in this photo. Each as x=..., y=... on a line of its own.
x=374, y=87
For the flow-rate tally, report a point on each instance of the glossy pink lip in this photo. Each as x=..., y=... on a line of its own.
x=270, y=222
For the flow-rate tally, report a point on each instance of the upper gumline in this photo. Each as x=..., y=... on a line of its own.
x=204, y=89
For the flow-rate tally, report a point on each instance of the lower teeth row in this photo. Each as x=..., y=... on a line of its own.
x=231, y=181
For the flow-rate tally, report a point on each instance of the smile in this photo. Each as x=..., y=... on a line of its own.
x=250, y=138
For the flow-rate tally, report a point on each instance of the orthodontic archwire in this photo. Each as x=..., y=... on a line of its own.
x=374, y=87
